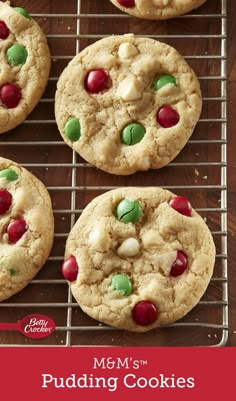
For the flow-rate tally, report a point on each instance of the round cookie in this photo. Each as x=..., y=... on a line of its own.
x=127, y=104
x=26, y=227
x=138, y=258
x=25, y=65
x=157, y=9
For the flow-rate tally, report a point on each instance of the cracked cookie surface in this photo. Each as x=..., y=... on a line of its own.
x=26, y=227
x=139, y=258
x=157, y=9
x=127, y=104
x=25, y=65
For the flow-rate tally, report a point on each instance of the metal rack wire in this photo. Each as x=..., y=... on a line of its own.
x=72, y=183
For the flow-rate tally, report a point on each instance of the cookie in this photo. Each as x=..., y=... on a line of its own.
x=25, y=65
x=26, y=227
x=157, y=9
x=127, y=104
x=138, y=258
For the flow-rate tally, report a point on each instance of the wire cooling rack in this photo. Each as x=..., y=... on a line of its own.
x=199, y=172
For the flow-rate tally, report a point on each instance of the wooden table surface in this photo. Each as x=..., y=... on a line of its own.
x=178, y=175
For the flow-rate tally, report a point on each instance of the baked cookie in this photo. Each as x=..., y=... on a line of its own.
x=26, y=227
x=157, y=9
x=127, y=104
x=25, y=65
x=139, y=258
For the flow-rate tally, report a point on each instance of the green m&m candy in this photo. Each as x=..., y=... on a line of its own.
x=164, y=80
x=122, y=283
x=128, y=211
x=72, y=129
x=16, y=55
x=9, y=174
x=12, y=271
x=22, y=11
x=132, y=134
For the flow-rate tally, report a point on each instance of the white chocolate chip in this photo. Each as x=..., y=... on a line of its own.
x=99, y=239
x=130, y=247
x=144, y=164
x=160, y=3
x=94, y=236
x=129, y=89
x=127, y=50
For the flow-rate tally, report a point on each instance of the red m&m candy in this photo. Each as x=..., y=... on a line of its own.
x=96, y=81
x=16, y=230
x=181, y=205
x=4, y=31
x=144, y=313
x=5, y=201
x=180, y=264
x=10, y=95
x=126, y=3
x=167, y=117
x=70, y=269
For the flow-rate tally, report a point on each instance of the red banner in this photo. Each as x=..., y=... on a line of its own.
x=101, y=374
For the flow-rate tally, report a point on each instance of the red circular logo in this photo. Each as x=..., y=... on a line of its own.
x=37, y=326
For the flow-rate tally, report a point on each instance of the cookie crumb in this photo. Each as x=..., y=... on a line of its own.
x=205, y=177
x=196, y=172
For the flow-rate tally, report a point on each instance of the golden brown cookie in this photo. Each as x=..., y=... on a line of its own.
x=157, y=9
x=139, y=258
x=127, y=103
x=26, y=227
x=25, y=65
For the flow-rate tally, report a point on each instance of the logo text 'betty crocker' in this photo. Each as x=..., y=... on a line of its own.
x=37, y=326
x=32, y=326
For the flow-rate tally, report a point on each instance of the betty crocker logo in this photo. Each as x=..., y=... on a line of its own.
x=32, y=326
x=37, y=326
